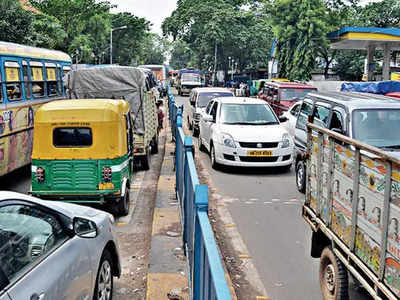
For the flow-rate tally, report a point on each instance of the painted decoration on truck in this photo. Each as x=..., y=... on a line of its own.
x=367, y=250
x=392, y=274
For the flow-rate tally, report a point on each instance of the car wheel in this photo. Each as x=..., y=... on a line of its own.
x=301, y=176
x=195, y=131
x=124, y=204
x=104, y=280
x=214, y=163
x=200, y=143
x=333, y=277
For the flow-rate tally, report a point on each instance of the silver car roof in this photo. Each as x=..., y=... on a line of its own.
x=353, y=100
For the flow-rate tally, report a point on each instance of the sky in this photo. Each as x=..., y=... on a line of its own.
x=153, y=10
x=157, y=10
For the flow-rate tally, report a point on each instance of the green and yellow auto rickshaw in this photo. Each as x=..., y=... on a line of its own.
x=83, y=152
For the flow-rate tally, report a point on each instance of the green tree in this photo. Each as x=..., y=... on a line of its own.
x=181, y=55
x=350, y=64
x=385, y=13
x=15, y=22
x=154, y=50
x=299, y=27
x=47, y=32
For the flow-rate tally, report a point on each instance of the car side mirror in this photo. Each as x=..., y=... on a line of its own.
x=85, y=228
x=208, y=118
x=283, y=119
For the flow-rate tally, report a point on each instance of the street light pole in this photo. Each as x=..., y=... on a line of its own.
x=233, y=63
x=111, y=49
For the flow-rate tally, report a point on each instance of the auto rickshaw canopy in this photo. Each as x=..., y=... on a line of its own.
x=370, y=39
x=104, y=117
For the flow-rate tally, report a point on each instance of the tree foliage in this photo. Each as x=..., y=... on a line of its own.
x=15, y=22
x=299, y=27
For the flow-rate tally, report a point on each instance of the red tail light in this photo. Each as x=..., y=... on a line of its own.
x=40, y=175
x=106, y=174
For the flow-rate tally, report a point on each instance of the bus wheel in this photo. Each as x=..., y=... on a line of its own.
x=124, y=203
x=333, y=277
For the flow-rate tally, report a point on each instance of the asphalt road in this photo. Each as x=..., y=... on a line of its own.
x=266, y=209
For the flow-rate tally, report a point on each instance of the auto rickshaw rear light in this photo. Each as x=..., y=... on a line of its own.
x=40, y=175
x=106, y=174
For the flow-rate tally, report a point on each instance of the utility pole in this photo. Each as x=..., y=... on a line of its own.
x=111, y=48
x=215, y=64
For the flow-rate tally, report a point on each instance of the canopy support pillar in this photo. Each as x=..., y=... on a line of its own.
x=370, y=59
x=386, y=62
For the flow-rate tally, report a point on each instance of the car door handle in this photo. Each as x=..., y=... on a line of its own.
x=38, y=297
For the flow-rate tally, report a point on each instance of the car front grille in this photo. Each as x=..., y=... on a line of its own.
x=254, y=145
x=259, y=158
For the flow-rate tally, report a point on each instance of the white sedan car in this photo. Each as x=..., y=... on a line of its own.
x=239, y=131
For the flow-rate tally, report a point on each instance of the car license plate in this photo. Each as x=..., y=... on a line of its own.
x=259, y=153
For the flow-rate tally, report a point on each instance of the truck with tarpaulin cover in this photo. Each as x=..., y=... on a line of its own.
x=128, y=83
x=352, y=205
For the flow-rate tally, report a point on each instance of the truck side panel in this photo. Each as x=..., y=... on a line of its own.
x=342, y=179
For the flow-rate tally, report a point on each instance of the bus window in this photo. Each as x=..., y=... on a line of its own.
x=37, y=79
x=52, y=89
x=27, y=83
x=59, y=79
x=13, y=84
x=1, y=92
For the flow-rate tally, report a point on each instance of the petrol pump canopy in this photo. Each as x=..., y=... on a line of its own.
x=360, y=38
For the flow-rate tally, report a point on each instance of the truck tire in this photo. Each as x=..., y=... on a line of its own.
x=301, y=176
x=214, y=163
x=154, y=146
x=124, y=204
x=146, y=160
x=333, y=277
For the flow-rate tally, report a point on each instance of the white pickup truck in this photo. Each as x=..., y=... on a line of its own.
x=352, y=204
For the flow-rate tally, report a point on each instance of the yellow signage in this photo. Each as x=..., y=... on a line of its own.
x=37, y=73
x=51, y=74
x=12, y=74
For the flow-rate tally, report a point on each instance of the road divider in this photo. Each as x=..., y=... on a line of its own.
x=205, y=271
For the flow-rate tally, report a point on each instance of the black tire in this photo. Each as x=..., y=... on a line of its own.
x=189, y=124
x=214, y=164
x=333, y=277
x=124, y=204
x=195, y=131
x=154, y=147
x=200, y=143
x=146, y=160
x=301, y=176
x=104, y=275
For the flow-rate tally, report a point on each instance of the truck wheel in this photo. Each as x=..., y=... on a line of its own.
x=154, y=147
x=333, y=277
x=124, y=204
x=146, y=160
x=301, y=176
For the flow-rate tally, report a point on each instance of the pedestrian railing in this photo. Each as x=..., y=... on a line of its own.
x=206, y=274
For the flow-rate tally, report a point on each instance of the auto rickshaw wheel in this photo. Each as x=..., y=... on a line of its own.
x=124, y=203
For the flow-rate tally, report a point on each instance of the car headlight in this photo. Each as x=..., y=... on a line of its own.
x=285, y=140
x=228, y=141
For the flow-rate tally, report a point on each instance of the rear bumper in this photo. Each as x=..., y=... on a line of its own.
x=99, y=196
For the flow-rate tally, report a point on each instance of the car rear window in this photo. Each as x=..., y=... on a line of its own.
x=205, y=98
x=72, y=137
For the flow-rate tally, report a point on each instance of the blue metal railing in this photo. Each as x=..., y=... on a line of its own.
x=206, y=274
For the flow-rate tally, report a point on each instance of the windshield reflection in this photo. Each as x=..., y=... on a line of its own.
x=247, y=114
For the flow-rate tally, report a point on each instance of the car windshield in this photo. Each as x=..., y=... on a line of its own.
x=247, y=114
x=377, y=127
x=294, y=93
x=190, y=77
x=205, y=98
